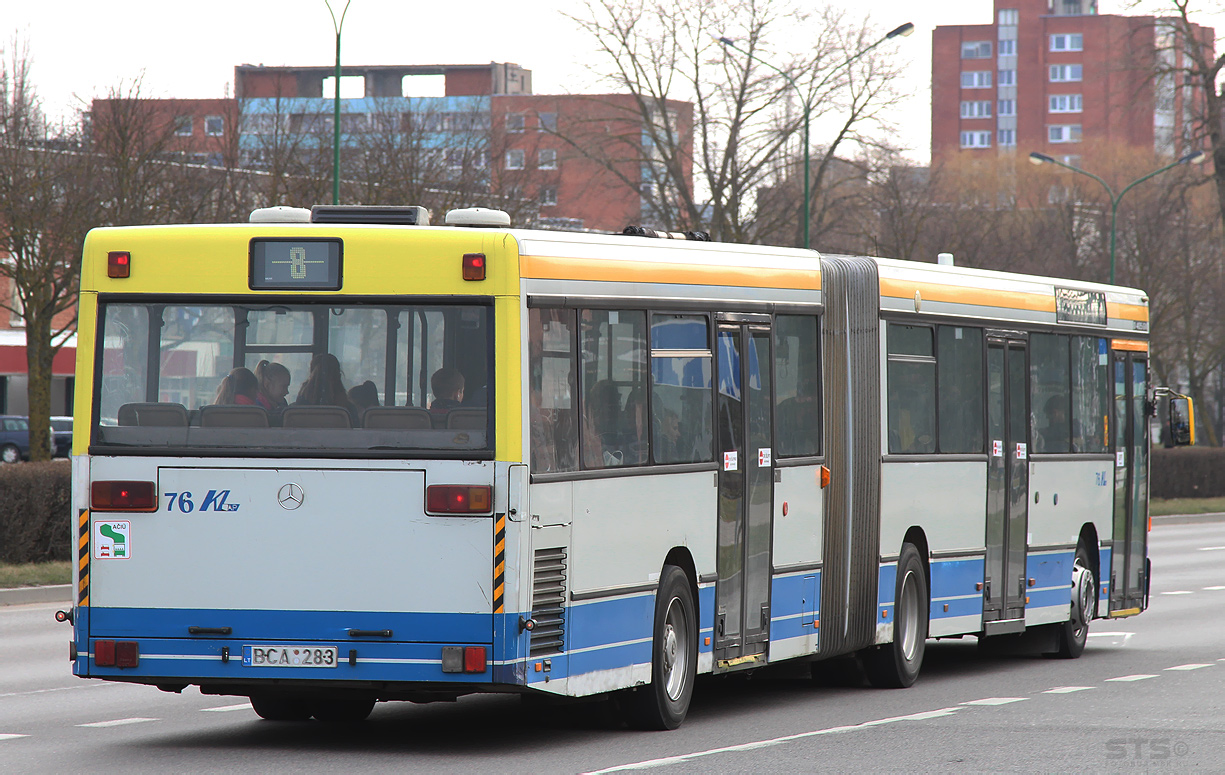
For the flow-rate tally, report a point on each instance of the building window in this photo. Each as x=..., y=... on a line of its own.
x=1064, y=133
x=514, y=159
x=514, y=122
x=1008, y=17
x=546, y=159
x=214, y=126
x=976, y=80
x=1066, y=103
x=975, y=139
x=980, y=49
x=1008, y=48
x=1071, y=42
x=183, y=126
x=976, y=109
x=548, y=196
x=548, y=122
x=1008, y=77
x=1007, y=108
x=1008, y=137
x=1064, y=73
x=455, y=158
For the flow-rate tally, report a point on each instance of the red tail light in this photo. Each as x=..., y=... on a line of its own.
x=127, y=653
x=123, y=496
x=458, y=499
x=118, y=263
x=104, y=653
x=474, y=659
x=474, y=266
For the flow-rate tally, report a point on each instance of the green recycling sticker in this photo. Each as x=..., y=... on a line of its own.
x=111, y=540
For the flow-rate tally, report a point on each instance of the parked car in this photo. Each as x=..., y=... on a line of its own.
x=15, y=438
x=63, y=436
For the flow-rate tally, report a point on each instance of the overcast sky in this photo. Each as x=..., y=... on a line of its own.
x=81, y=49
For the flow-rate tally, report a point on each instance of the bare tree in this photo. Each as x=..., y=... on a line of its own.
x=45, y=210
x=745, y=126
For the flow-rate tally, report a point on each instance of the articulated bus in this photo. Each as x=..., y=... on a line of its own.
x=340, y=456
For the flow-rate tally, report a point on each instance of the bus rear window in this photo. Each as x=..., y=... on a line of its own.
x=326, y=375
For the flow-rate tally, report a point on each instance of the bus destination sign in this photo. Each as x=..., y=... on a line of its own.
x=295, y=265
x=1072, y=306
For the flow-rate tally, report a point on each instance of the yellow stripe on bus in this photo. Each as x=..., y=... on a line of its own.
x=1132, y=345
x=621, y=270
x=957, y=294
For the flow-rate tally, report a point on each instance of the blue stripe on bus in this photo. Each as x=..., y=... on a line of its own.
x=794, y=604
x=953, y=584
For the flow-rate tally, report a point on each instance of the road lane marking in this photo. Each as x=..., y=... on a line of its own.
x=11, y=737
x=119, y=722
x=224, y=708
x=1139, y=677
x=649, y=763
x=1211, y=548
x=1193, y=666
x=63, y=689
x=1212, y=589
x=1068, y=689
x=1179, y=592
x=995, y=701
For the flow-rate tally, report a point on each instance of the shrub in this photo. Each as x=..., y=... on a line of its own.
x=36, y=512
x=1188, y=472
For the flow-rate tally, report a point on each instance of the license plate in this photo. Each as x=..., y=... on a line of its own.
x=289, y=656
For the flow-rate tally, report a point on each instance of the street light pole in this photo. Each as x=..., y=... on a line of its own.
x=337, y=26
x=1042, y=158
x=900, y=31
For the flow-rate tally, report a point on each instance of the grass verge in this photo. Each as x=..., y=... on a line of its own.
x=1161, y=507
x=34, y=574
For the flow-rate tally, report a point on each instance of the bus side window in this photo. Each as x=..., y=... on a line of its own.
x=1050, y=389
x=551, y=414
x=797, y=375
x=912, y=389
x=959, y=366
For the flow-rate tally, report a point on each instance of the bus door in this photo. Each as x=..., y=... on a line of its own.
x=1007, y=484
x=746, y=483
x=1128, y=571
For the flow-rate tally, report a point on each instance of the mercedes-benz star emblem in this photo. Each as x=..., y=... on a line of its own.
x=290, y=497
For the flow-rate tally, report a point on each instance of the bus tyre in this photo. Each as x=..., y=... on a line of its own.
x=348, y=710
x=1074, y=633
x=274, y=708
x=663, y=703
x=896, y=665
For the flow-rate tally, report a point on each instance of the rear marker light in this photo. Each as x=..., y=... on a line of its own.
x=458, y=499
x=118, y=263
x=463, y=659
x=127, y=653
x=474, y=266
x=474, y=659
x=123, y=496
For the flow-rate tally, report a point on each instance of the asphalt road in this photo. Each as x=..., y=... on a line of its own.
x=1146, y=695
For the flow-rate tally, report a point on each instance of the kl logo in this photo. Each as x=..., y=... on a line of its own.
x=111, y=540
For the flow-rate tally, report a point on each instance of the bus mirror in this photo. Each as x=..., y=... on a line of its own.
x=1182, y=421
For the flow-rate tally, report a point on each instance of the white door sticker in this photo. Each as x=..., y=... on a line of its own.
x=1120, y=458
x=997, y=448
x=763, y=457
x=1021, y=450
x=111, y=540
x=729, y=461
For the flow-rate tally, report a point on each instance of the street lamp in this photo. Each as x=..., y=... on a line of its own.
x=1042, y=158
x=901, y=31
x=337, y=26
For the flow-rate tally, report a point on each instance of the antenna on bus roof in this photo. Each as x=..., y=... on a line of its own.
x=646, y=231
x=280, y=214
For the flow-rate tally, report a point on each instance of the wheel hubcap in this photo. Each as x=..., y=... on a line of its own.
x=908, y=617
x=674, y=656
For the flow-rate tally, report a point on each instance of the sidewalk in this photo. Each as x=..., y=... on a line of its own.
x=59, y=593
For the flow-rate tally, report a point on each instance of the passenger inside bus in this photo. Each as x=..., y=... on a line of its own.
x=324, y=386
x=634, y=427
x=364, y=396
x=274, y=379
x=447, y=385
x=602, y=426
x=240, y=387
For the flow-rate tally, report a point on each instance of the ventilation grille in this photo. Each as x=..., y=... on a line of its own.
x=548, y=601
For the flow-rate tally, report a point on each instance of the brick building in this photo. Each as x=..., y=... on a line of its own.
x=1052, y=75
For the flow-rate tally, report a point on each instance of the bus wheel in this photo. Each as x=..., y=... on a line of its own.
x=280, y=708
x=1074, y=633
x=343, y=710
x=674, y=657
x=896, y=665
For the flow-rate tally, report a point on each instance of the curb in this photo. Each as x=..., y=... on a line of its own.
x=59, y=593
